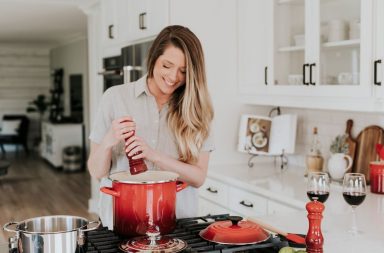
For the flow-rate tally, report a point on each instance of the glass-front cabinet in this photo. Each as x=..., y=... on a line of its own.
x=289, y=47
x=325, y=54
x=378, y=55
x=317, y=47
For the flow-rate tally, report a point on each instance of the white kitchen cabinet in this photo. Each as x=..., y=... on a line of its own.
x=252, y=53
x=207, y=207
x=278, y=208
x=246, y=203
x=312, y=62
x=378, y=55
x=147, y=18
x=55, y=137
x=217, y=197
x=110, y=25
x=125, y=22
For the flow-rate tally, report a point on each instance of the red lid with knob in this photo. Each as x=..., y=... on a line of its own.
x=234, y=231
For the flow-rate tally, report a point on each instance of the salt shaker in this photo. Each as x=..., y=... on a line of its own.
x=314, y=239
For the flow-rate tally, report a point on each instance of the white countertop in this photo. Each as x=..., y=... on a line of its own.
x=289, y=186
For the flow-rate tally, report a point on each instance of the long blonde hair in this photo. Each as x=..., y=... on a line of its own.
x=190, y=107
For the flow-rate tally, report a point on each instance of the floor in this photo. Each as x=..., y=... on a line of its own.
x=32, y=188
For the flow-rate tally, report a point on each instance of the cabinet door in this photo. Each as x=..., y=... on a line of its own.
x=109, y=24
x=207, y=207
x=278, y=208
x=378, y=60
x=291, y=37
x=342, y=48
x=253, y=42
x=149, y=17
x=215, y=191
x=247, y=204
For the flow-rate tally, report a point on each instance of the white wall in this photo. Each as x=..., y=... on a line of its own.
x=24, y=74
x=73, y=58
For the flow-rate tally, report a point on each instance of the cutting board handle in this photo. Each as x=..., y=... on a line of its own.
x=349, y=127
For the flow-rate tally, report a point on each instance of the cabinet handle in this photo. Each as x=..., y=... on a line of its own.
x=142, y=24
x=375, y=73
x=110, y=32
x=266, y=75
x=245, y=204
x=310, y=73
x=304, y=79
x=212, y=190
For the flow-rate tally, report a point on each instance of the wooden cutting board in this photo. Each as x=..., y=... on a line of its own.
x=351, y=141
x=365, y=149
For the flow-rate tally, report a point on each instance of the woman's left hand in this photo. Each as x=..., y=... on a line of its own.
x=135, y=144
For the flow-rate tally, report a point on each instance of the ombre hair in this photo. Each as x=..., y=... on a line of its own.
x=190, y=107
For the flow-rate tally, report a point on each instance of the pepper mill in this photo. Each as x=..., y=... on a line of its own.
x=314, y=239
x=136, y=166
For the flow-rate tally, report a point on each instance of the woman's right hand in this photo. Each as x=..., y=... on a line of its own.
x=121, y=129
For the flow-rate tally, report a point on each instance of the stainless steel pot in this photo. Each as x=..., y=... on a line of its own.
x=51, y=234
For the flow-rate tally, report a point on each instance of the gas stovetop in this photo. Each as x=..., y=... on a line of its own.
x=105, y=241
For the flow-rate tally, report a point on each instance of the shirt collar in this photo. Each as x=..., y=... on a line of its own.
x=141, y=86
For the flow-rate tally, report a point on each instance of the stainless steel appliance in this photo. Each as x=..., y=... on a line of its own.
x=134, y=61
x=112, y=71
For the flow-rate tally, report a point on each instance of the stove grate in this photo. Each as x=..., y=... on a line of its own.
x=105, y=241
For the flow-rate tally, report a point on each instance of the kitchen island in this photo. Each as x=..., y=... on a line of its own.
x=288, y=186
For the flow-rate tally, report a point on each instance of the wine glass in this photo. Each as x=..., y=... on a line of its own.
x=318, y=186
x=354, y=191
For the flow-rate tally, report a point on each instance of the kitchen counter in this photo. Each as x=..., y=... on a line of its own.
x=289, y=186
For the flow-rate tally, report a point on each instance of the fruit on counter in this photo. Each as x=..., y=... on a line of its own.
x=290, y=250
x=286, y=250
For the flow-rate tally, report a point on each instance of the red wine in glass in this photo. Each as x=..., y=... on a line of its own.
x=318, y=186
x=354, y=198
x=321, y=196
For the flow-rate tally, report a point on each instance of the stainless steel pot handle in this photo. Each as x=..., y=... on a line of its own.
x=5, y=227
x=90, y=229
x=81, y=237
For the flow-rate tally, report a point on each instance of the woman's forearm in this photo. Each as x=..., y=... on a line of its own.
x=193, y=175
x=99, y=161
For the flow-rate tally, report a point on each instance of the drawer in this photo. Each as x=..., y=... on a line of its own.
x=207, y=207
x=278, y=208
x=215, y=191
x=246, y=203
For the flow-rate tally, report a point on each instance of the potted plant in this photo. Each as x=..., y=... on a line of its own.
x=40, y=105
x=340, y=161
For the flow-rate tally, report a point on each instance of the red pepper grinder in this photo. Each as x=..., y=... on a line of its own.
x=136, y=166
x=314, y=239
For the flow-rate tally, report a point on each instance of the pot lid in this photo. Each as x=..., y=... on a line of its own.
x=159, y=244
x=147, y=177
x=234, y=231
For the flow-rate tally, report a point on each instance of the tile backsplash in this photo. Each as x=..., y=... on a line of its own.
x=329, y=124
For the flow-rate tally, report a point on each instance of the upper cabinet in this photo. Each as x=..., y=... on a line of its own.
x=319, y=53
x=378, y=54
x=127, y=21
x=148, y=18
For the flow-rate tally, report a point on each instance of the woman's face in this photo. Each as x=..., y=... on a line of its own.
x=168, y=72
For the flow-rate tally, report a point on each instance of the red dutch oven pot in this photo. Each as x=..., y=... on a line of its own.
x=234, y=231
x=144, y=202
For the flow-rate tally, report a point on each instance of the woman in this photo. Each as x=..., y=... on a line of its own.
x=171, y=112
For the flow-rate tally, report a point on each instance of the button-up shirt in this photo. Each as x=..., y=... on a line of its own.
x=135, y=100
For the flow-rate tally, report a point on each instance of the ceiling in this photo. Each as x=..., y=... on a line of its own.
x=42, y=21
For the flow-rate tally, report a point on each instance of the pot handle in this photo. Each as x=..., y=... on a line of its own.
x=92, y=228
x=5, y=227
x=110, y=191
x=81, y=240
x=180, y=185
